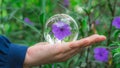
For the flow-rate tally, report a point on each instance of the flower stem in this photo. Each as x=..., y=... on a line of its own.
x=88, y=49
x=53, y=66
x=112, y=10
x=87, y=62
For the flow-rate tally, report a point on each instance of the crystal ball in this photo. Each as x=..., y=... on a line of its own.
x=60, y=28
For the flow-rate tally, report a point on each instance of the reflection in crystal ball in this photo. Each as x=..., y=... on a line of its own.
x=61, y=28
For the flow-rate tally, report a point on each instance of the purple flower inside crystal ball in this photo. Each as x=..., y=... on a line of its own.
x=116, y=22
x=101, y=54
x=61, y=30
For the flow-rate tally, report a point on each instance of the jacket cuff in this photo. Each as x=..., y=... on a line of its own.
x=17, y=55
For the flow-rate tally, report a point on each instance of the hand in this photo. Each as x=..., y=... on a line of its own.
x=45, y=53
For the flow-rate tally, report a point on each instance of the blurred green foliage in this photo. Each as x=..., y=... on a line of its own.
x=85, y=12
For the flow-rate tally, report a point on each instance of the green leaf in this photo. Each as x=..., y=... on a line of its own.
x=115, y=43
x=116, y=34
x=32, y=27
x=118, y=65
x=84, y=24
x=12, y=14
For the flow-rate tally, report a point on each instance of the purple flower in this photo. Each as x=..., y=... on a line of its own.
x=27, y=20
x=101, y=54
x=116, y=22
x=97, y=22
x=61, y=30
x=66, y=3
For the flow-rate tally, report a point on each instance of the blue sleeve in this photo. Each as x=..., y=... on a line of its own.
x=11, y=55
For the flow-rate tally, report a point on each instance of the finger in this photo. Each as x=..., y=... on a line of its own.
x=42, y=43
x=62, y=48
x=87, y=41
x=67, y=55
x=95, y=39
x=71, y=54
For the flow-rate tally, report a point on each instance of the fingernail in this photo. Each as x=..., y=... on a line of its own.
x=103, y=37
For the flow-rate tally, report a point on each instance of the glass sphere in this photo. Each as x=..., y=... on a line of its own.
x=61, y=28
